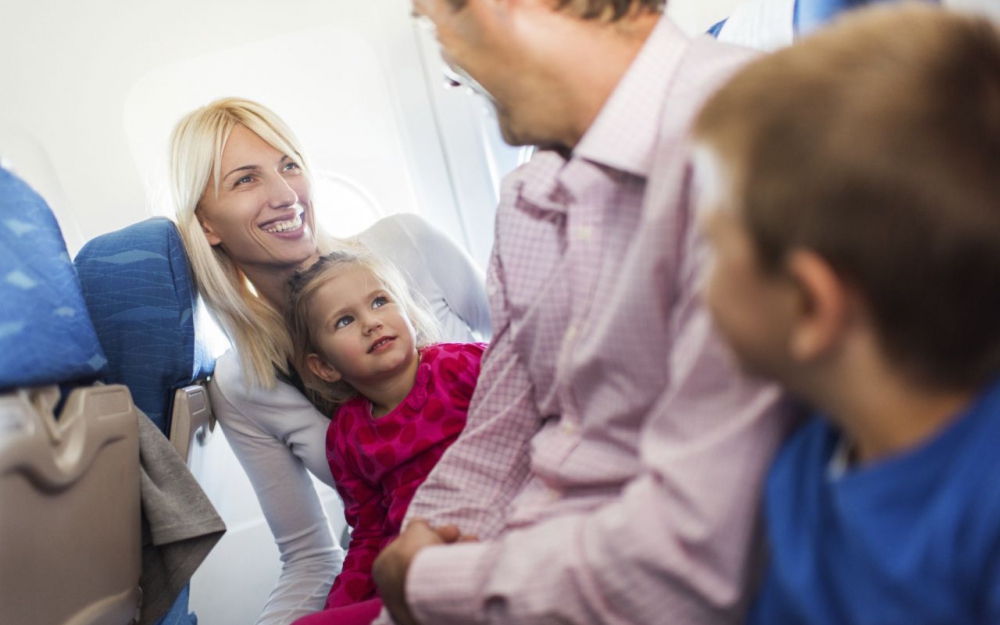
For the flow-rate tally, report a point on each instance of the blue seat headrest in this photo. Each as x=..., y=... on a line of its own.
x=45, y=334
x=813, y=14
x=138, y=286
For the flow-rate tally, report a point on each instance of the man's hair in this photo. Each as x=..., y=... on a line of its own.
x=610, y=10
x=876, y=144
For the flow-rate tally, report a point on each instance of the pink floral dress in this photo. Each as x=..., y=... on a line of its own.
x=378, y=464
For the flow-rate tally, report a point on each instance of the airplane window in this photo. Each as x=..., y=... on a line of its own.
x=344, y=206
x=22, y=154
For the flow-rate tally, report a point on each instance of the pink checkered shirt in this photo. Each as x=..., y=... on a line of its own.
x=613, y=458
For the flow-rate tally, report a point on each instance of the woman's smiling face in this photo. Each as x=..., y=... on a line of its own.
x=262, y=216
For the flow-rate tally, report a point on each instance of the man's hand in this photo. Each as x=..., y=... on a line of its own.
x=390, y=568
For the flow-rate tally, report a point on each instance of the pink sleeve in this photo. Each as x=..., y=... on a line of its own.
x=365, y=514
x=486, y=467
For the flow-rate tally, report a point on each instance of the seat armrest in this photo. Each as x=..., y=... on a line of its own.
x=192, y=420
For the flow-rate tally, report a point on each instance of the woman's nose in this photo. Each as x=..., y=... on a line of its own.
x=280, y=193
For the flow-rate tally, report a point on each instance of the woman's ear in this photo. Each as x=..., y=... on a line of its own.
x=322, y=369
x=821, y=318
x=213, y=239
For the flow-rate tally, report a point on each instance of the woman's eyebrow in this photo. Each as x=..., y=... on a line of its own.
x=243, y=168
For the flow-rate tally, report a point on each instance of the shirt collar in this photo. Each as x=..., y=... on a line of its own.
x=538, y=181
x=624, y=134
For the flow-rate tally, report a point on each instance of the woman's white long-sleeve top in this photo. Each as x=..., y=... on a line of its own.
x=278, y=436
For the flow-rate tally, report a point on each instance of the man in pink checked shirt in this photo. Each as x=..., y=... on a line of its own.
x=612, y=461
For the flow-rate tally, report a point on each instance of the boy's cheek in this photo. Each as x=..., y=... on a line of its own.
x=712, y=291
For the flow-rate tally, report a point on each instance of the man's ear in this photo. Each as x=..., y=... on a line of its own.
x=322, y=369
x=822, y=314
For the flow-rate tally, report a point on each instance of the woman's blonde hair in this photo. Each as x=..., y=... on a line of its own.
x=327, y=396
x=256, y=329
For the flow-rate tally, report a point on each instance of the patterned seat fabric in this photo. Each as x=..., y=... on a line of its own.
x=46, y=336
x=137, y=284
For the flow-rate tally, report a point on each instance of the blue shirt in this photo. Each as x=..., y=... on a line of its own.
x=913, y=539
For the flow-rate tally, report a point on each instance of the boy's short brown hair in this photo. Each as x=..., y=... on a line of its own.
x=876, y=144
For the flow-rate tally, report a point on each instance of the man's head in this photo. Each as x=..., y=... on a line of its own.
x=527, y=54
x=860, y=186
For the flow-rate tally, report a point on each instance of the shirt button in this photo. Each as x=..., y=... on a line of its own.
x=584, y=233
x=570, y=332
x=568, y=427
x=554, y=494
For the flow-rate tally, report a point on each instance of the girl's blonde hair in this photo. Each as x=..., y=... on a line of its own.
x=256, y=329
x=326, y=396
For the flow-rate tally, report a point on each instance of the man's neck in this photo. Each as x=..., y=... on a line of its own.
x=589, y=71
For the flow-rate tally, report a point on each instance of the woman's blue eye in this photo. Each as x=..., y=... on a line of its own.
x=343, y=322
x=291, y=166
x=380, y=301
x=243, y=180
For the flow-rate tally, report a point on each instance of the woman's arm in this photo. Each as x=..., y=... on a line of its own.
x=263, y=428
x=440, y=271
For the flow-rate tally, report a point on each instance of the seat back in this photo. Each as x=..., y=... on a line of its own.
x=138, y=286
x=46, y=333
x=70, y=542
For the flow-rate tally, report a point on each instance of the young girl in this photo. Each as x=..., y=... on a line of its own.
x=396, y=399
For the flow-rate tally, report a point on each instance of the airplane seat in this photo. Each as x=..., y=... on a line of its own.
x=770, y=24
x=70, y=542
x=139, y=288
x=810, y=15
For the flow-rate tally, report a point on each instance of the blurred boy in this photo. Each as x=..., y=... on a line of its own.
x=856, y=224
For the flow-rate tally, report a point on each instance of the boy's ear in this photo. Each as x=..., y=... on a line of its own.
x=322, y=369
x=822, y=316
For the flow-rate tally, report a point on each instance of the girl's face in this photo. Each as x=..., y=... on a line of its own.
x=360, y=332
x=263, y=214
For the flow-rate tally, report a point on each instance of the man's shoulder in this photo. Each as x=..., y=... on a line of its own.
x=708, y=64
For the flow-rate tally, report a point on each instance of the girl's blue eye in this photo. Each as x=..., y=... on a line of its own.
x=380, y=301
x=343, y=322
x=291, y=166
x=243, y=180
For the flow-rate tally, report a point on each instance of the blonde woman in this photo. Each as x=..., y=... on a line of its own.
x=242, y=189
